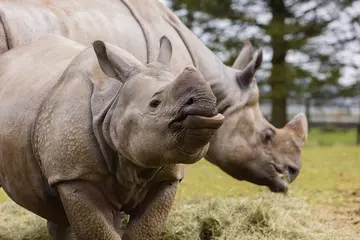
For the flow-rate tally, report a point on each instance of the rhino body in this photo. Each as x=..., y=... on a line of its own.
x=247, y=147
x=77, y=145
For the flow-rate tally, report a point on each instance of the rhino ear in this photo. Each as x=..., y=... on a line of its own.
x=244, y=56
x=165, y=53
x=299, y=126
x=115, y=62
x=246, y=77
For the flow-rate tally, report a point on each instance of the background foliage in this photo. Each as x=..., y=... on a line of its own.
x=310, y=46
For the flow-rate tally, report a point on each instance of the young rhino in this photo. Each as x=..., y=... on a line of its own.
x=77, y=146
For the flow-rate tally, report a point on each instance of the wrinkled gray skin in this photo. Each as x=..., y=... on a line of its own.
x=247, y=146
x=78, y=146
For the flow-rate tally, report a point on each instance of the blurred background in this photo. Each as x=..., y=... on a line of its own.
x=311, y=57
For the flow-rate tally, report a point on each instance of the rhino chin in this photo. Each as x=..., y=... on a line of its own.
x=195, y=155
x=281, y=186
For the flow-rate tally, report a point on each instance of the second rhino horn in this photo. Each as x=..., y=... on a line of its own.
x=165, y=52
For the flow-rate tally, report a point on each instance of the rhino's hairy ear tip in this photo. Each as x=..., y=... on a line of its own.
x=99, y=48
x=247, y=43
x=259, y=58
x=244, y=57
x=104, y=62
x=299, y=125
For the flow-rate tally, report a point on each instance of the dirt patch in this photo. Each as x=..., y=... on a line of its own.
x=345, y=213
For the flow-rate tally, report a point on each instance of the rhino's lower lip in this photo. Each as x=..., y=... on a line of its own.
x=280, y=186
x=202, y=122
x=280, y=182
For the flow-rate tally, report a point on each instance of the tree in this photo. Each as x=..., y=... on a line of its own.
x=305, y=41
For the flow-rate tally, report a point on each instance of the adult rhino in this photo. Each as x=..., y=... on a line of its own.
x=247, y=146
x=78, y=146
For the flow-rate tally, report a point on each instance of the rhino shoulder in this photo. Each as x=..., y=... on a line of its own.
x=62, y=137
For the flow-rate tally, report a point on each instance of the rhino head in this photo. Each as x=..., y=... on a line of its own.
x=254, y=150
x=158, y=118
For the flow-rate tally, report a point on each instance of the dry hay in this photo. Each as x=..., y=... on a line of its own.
x=16, y=223
x=265, y=217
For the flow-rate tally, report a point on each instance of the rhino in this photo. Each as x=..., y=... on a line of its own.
x=89, y=132
x=247, y=146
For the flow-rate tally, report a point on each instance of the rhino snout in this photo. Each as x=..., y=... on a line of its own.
x=198, y=105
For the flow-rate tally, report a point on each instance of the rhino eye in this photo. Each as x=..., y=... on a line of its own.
x=268, y=136
x=155, y=103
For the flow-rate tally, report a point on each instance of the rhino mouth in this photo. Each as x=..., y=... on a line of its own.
x=201, y=122
x=282, y=180
x=194, y=119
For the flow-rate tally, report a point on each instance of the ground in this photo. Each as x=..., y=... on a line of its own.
x=329, y=185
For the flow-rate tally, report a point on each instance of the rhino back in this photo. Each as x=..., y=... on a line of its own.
x=85, y=21
x=27, y=74
x=82, y=21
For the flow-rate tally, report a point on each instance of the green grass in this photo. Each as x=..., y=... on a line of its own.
x=325, y=170
x=341, y=137
x=3, y=196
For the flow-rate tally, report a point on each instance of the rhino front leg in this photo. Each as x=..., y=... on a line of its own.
x=149, y=217
x=89, y=214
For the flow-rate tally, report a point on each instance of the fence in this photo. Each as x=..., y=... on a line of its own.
x=340, y=112
x=326, y=115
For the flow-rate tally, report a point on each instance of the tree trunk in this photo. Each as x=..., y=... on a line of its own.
x=278, y=105
x=279, y=74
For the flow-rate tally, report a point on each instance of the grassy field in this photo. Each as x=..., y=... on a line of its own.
x=329, y=182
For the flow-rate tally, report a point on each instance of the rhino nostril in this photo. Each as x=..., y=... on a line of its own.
x=189, y=102
x=293, y=172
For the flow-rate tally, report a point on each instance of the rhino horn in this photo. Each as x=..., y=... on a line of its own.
x=247, y=75
x=165, y=53
x=299, y=126
x=244, y=57
x=115, y=62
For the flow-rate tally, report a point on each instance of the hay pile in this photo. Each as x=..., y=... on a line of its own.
x=16, y=223
x=269, y=216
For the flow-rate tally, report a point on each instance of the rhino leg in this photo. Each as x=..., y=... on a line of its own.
x=89, y=214
x=60, y=232
x=149, y=217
